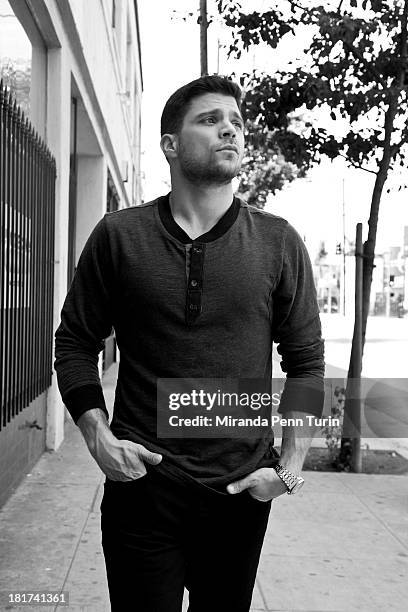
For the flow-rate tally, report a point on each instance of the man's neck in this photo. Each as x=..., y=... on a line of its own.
x=196, y=209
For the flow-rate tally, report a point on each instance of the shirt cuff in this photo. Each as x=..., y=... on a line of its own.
x=303, y=395
x=84, y=398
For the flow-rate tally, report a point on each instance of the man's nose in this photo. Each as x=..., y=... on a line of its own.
x=228, y=130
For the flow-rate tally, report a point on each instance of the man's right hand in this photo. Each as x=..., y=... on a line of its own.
x=121, y=460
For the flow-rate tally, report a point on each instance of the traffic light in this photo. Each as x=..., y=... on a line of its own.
x=338, y=248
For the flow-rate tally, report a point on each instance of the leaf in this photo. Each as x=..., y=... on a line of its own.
x=333, y=116
x=377, y=5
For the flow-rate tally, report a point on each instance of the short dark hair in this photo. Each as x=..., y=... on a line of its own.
x=179, y=102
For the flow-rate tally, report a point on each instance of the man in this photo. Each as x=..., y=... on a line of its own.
x=197, y=285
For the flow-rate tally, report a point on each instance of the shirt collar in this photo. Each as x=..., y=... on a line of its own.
x=220, y=228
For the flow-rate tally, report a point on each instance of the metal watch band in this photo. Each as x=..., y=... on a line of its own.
x=288, y=477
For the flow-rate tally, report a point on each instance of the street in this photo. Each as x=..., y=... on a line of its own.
x=385, y=357
x=385, y=350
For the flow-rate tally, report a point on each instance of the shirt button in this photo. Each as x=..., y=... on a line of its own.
x=197, y=249
x=193, y=283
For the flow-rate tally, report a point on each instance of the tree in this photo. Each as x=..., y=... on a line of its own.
x=265, y=169
x=16, y=76
x=357, y=70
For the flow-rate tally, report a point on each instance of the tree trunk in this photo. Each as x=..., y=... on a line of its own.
x=345, y=458
x=368, y=265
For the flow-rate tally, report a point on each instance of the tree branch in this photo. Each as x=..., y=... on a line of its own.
x=394, y=150
x=295, y=4
x=356, y=165
x=358, y=55
x=309, y=11
x=403, y=51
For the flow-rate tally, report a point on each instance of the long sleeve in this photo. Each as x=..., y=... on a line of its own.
x=86, y=319
x=296, y=329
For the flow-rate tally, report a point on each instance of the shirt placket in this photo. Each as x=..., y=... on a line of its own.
x=195, y=282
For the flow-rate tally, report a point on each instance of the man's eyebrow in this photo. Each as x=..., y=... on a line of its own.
x=217, y=111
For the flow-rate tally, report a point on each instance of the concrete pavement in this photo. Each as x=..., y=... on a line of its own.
x=340, y=545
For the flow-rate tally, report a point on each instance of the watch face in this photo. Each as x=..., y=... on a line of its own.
x=297, y=486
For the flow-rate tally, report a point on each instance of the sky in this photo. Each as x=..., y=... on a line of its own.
x=171, y=58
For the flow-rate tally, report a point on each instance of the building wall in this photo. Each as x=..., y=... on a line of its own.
x=83, y=57
x=22, y=442
x=92, y=177
x=97, y=75
x=117, y=87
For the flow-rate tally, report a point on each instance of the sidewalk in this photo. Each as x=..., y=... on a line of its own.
x=340, y=545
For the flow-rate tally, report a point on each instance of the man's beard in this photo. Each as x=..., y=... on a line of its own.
x=206, y=172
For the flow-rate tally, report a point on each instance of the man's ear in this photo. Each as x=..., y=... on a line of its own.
x=169, y=146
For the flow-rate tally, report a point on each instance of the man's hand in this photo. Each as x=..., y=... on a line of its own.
x=263, y=484
x=121, y=460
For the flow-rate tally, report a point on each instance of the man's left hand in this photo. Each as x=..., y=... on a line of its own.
x=263, y=484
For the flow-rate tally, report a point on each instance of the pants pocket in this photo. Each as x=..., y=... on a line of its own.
x=122, y=493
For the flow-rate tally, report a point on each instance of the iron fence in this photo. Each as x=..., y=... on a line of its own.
x=27, y=205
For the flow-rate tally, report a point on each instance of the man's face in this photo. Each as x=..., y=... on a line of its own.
x=211, y=140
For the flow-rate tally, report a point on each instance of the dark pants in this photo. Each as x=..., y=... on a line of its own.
x=160, y=534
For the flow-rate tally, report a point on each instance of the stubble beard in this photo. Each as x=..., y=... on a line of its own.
x=206, y=172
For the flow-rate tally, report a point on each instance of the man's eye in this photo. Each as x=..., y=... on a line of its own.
x=238, y=123
x=210, y=120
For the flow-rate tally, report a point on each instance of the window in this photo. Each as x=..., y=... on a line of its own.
x=113, y=14
x=112, y=197
x=119, y=37
x=129, y=62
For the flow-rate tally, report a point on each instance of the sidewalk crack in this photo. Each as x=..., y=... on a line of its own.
x=90, y=511
x=380, y=520
x=258, y=584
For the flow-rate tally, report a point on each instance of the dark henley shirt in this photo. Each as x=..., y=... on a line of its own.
x=204, y=308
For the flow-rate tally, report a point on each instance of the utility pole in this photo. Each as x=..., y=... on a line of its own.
x=344, y=254
x=358, y=355
x=203, y=37
x=350, y=454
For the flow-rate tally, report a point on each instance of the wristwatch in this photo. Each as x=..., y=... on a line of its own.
x=293, y=483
